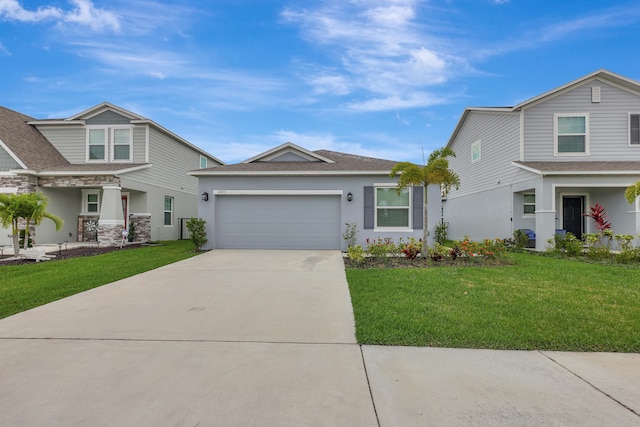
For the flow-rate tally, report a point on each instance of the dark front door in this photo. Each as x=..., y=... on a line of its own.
x=572, y=219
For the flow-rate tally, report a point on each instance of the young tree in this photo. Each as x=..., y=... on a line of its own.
x=31, y=208
x=435, y=171
x=632, y=192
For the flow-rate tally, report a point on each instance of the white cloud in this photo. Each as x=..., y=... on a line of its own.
x=4, y=50
x=83, y=12
x=383, y=49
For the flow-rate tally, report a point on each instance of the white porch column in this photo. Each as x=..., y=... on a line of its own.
x=545, y=214
x=111, y=223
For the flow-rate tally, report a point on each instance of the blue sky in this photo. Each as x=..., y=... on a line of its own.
x=237, y=77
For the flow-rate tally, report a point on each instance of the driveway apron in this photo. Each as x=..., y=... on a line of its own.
x=224, y=338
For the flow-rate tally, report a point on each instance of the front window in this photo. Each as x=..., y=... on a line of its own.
x=203, y=162
x=122, y=144
x=91, y=201
x=572, y=134
x=97, y=144
x=529, y=204
x=168, y=211
x=634, y=129
x=392, y=209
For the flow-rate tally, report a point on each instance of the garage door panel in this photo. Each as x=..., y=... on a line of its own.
x=278, y=222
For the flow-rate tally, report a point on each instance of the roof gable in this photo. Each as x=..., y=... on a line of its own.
x=288, y=152
x=101, y=109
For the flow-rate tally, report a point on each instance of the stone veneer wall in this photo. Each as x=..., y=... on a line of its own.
x=142, y=227
x=110, y=234
x=24, y=183
x=84, y=228
x=79, y=181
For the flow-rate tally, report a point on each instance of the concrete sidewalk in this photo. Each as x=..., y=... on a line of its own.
x=253, y=338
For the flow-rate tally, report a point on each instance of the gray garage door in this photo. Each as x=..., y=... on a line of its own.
x=278, y=222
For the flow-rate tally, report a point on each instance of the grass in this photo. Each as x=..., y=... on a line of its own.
x=539, y=303
x=27, y=286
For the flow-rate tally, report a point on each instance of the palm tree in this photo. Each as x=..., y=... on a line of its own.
x=31, y=208
x=435, y=171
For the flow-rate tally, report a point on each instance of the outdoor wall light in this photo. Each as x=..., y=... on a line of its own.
x=349, y=196
x=205, y=196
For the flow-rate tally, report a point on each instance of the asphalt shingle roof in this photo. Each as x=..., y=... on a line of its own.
x=342, y=163
x=26, y=142
x=582, y=167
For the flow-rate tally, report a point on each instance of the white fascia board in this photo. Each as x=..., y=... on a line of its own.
x=287, y=173
x=635, y=172
x=56, y=122
x=527, y=168
x=23, y=172
x=12, y=154
x=278, y=192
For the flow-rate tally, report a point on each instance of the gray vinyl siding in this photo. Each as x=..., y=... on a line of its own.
x=6, y=161
x=139, y=144
x=500, y=146
x=70, y=141
x=608, y=124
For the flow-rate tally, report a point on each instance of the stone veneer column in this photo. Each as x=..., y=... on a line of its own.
x=111, y=223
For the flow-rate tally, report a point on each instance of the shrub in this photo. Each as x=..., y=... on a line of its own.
x=381, y=248
x=197, y=233
x=356, y=253
x=441, y=232
x=567, y=245
x=520, y=240
x=350, y=233
x=411, y=249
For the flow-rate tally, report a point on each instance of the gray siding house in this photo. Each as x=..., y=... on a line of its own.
x=292, y=198
x=105, y=166
x=541, y=164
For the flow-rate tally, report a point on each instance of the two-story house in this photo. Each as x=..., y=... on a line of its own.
x=104, y=170
x=541, y=164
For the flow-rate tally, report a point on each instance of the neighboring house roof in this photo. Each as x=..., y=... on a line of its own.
x=602, y=74
x=29, y=148
x=580, y=168
x=320, y=162
x=81, y=117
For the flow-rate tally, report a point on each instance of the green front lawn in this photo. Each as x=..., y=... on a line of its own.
x=538, y=303
x=26, y=286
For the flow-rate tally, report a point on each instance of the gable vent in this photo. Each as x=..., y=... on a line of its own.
x=595, y=94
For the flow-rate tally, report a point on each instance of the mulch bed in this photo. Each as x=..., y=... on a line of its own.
x=72, y=253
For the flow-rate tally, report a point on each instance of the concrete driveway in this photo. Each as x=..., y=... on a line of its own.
x=266, y=338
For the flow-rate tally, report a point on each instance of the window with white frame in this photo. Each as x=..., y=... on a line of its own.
x=91, y=201
x=97, y=144
x=203, y=162
x=114, y=140
x=475, y=151
x=121, y=141
x=393, y=209
x=168, y=211
x=571, y=134
x=529, y=203
x=634, y=129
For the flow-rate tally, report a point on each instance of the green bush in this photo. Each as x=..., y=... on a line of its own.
x=197, y=232
x=356, y=254
x=567, y=245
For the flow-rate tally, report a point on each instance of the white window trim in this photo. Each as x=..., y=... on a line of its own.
x=629, y=130
x=206, y=162
x=106, y=144
x=112, y=143
x=164, y=211
x=524, y=214
x=84, y=209
x=555, y=134
x=109, y=143
x=375, y=210
x=478, y=144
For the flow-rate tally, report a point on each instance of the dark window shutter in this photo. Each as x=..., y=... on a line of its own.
x=418, y=206
x=369, y=209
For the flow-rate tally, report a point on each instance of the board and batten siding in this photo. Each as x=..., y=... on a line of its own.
x=608, y=124
x=499, y=138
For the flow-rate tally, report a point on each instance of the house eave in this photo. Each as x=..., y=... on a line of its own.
x=288, y=173
x=90, y=172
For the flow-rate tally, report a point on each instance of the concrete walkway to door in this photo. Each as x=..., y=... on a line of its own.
x=232, y=338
